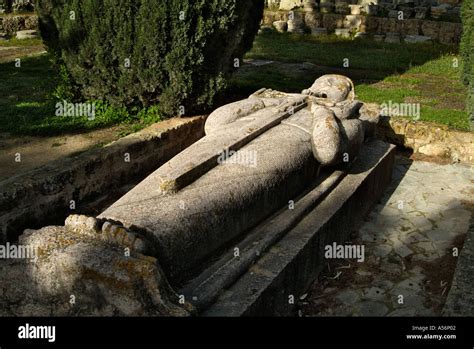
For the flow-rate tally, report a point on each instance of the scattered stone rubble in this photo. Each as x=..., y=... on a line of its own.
x=411, y=20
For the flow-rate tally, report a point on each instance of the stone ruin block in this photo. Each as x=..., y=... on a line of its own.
x=333, y=21
x=372, y=24
x=290, y=4
x=313, y=20
x=450, y=33
x=411, y=27
x=431, y=29
x=389, y=25
x=353, y=22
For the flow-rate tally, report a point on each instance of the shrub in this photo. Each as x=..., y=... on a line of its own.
x=467, y=51
x=140, y=52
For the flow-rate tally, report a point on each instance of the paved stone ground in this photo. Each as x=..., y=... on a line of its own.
x=409, y=242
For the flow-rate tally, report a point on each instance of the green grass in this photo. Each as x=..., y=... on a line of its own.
x=426, y=73
x=21, y=43
x=372, y=94
x=422, y=73
x=375, y=57
x=28, y=105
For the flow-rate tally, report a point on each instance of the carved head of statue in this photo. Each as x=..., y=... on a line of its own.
x=334, y=88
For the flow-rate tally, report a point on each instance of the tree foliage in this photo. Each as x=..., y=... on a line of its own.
x=139, y=52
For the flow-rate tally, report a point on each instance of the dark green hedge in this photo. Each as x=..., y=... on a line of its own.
x=467, y=51
x=180, y=52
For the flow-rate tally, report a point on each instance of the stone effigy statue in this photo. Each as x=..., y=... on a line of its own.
x=189, y=214
x=258, y=154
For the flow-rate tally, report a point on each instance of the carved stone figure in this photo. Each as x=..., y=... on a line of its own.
x=258, y=154
x=200, y=201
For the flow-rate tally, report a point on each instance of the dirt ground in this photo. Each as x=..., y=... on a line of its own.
x=9, y=54
x=38, y=151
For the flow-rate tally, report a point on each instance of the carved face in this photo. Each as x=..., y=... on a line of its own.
x=334, y=88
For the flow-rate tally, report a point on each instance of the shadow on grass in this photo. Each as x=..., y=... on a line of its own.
x=424, y=73
x=361, y=60
x=28, y=105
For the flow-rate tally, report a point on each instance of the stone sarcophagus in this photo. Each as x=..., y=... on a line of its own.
x=276, y=176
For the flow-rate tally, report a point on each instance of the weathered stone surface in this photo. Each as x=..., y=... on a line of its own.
x=361, y=35
x=449, y=33
x=333, y=21
x=389, y=25
x=413, y=39
x=222, y=203
x=100, y=262
x=355, y=9
x=342, y=32
x=32, y=198
x=431, y=138
x=353, y=137
x=411, y=27
x=239, y=123
x=296, y=25
x=460, y=301
x=319, y=31
x=327, y=7
x=372, y=25
x=326, y=141
x=239, y=195
x=31, y=23
x=313, y=20
x=205, y=288
x=12, y=24
x=231, y=112
x=77, y=273
x=290, y=4
x=353, y=22
x=421, y=12
x=431, y=29
x=290, y=266
x=271, y=16
x=392, y=38
x=433, y=150
x=422, y=215
x=27, y=34
x=280, y=26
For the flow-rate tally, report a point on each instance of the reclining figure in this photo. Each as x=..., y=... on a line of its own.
x=189, y=214
x=258, y=154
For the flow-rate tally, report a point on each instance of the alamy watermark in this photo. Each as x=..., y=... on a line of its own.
x=336, y=251
x=74, y=110
x=12, y=251
x=242, y=157
x=37, y=332
x=401, y=109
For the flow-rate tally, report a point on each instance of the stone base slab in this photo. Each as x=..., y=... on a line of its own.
x=292, y=264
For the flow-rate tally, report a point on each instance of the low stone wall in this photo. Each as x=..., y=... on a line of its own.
x=460, y=301
x=10, y=24
x=428, y=138
x=43, y=196
x=294, y=262
x=444, y=32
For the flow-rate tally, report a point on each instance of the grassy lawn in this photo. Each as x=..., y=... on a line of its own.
x=400, y=73
x=28, y=105
x=421, y=73
x=21, y=43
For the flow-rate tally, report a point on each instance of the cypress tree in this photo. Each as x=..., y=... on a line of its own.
x=173, y=53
